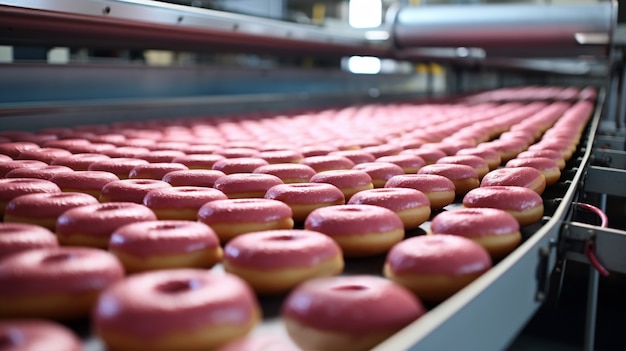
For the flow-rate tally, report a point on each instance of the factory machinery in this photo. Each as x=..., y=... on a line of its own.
x=297, y=66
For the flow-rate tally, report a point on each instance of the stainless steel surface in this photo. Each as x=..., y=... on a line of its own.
x=540, y=30
x=605, y=180
x=609, y=244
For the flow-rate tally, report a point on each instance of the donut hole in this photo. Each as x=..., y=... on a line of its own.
x=58, y=257
x=283, y=237
x=305, y=185
x=167, y=226
x=352, y=287
x=188, y=190
x=351, y=209
x=177, y=286
x=109, y=207
x=143, y=181
x=61, y=195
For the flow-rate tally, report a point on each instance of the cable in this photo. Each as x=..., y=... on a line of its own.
x=590, y=251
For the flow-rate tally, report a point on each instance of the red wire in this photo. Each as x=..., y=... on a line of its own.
x=589, y=246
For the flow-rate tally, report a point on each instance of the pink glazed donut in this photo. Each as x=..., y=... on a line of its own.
x=14, y=187
x=180, y=202
x=360, y=230
x=523, y=203
x=412, y=206
x=371, y=309
x=303, y=198
x=464, y=178
x=275, y=261
x=165, y=244
x=439, y=189
x=246, y=185
x=37, y=335
x=527, y=177
x=18, y=237
x=185, y=309
x=435, y=267
x=349, y=181
x=57, y=283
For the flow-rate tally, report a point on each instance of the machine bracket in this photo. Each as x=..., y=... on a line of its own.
x=543, y=270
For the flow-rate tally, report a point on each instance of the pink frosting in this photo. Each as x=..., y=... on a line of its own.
x=14, y=187
x=243, y=210
x=383, y=150
x=131, y=190
x=343, y=178
x=484, y=153
x=280, y=249
x=327, y=162
x=513, y=176
x=193, y=177
x=84, y=180
x=356, y=156
x=468, y=160
x=348, y=220
x=428, y=155
x=147, y=238
x=288, y=171
x=281, y=156
x=79, y=162
x=423, y=182
x=405, y=161
x=44, y=205
x=17, y=237
x=154, y=170
x=46, y=172
x=44, y=154
x=395, y=199
x=438, y=254
x=450, y=171
x=14, y=149
x=515, y=198
x=91, y=148
x=119, y=166
x=306, y=193
x=160, y=156
x=126, y=151
x=233, y=184
x=380, y=170
x=58, y=270
x=239, y=165
x=363, y=303
x=242, y=151
x=551, y=154
x=474, y=222
x=7, y=166
x=35, y=334
x=181, y=197
x=539, y=163
x=66, y=143
x=154, y=304
x=317, y=150
x=100, y=220
x=199, y=161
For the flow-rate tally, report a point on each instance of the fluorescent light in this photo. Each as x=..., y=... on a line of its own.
x=364, y=64
x=365, y=13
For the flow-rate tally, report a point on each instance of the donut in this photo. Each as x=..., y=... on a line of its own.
x=360, y=230
x=439, y=189
x=526, y=177
x=232, y=217
x=58, y=283
x=87, y=182
x=243, y=151
x=161, y=156
x=464, y=178
x=383, y=150
x=181, y=202
x=18, y=237
x=94, y=148
x=266, y=340
x=165, y=244
x=44, y=154
x=371, y=308
x=14, y=187
x=126, y=152
x=480, y=165
x=121, y=167
x=37, y=335
x=281, y=156
x=494, y=229
x=410, y=164
x=43, y=209
x=45, y=172
x=92, y=225
x=327, y=163
x=154, y=170
x=276, y=261
x=547, y=166
x=239, y=165
x=551, y=154
x=202, y=149
x=288, y=172
x=303, y=198
x=317, y=150
x=412, y=206
x=523, y=203
x=380, y=172
x=246, y=185
x=66, y=143
x=435, y=267
x=79, y=162
x=429, y=155
x=492, y=157
x=177, y=309
x=349, y=181
x=508, y=149
x=14, y=149
x=192, y=177
x=199, y=161
x=356, y=156
x=7, y=166
x=130, y=190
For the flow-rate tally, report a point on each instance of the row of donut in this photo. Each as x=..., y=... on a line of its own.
x=353, y=287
